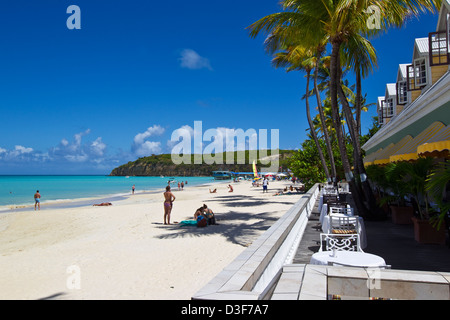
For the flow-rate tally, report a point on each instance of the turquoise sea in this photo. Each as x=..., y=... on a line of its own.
x=19, y=190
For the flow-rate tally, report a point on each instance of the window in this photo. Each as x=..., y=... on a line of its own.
x=410, y=78
x=402, y=92
x=389, y=107
x=420, y=72
x=438, y=48
x=381, y=112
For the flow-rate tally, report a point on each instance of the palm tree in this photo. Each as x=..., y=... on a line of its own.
x=318, y=66
x=347, y=21
x=281, y=36
x=300, y=59
x=438, y=187
x=337, y=22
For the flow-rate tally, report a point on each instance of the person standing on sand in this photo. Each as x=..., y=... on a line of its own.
x=265, y=183
x=133, y=188
x=37, y=200
x=169, y=198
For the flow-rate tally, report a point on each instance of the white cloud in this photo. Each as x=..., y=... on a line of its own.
x=19, y=151
x=76, y=157
x=141, y=147
x=192, y=60
x=151, y=131
x=77, y=151
x=148, y=148
x=98, y=147
x=219, y=139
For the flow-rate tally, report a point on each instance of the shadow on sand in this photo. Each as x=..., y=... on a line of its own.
x=234, y=225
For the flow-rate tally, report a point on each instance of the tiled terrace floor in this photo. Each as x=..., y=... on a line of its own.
x=395, y=243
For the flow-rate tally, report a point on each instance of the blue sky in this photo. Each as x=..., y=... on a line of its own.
x=85, y=101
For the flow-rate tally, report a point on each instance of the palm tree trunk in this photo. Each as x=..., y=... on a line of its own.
x=313, y=131
x=334, y=83
x=358, y=100
x=322, y=118
x=358, y=160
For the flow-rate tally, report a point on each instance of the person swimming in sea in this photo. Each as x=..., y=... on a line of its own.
x=169, y=198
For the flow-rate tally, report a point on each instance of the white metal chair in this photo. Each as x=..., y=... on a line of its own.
x=342, y=210
x=344, y=225
x=330, y=190
x=339, y=242
x=330, y=198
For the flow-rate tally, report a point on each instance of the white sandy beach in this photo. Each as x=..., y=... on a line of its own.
x=124, y=251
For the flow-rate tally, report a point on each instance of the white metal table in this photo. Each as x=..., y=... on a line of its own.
x=348, y=258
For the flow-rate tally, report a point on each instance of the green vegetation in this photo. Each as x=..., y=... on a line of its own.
x=420, y=182
x=162, y=164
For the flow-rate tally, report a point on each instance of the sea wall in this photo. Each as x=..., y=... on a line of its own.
x=252, y=275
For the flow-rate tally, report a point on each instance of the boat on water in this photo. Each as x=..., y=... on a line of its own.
x=221, y=175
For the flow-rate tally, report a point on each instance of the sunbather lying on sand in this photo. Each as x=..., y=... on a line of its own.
x=103, y=204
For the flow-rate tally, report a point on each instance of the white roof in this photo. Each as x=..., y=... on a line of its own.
x=421, y=45
x=402, y=74
x=391, y=89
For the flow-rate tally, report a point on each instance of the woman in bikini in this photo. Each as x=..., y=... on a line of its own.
x=169, y=198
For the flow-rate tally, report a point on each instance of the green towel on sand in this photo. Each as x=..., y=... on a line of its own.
x=188, y=223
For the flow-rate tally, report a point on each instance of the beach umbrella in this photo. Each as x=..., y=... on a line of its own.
x=269, y=174
x=281, y=175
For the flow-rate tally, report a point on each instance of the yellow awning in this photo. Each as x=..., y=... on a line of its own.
x=383, y=156
x=409, y=150
x=439, y=143
x=368, y=159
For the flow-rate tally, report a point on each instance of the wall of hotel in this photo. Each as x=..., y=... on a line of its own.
x=440, y=114
x=437, y=72
x=415, y=94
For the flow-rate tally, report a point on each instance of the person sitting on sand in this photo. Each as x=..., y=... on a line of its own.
x=199, y=215
x=209, y=214
x=169, y=198
x=199, y=212
x=214, y=191
x=230, y=187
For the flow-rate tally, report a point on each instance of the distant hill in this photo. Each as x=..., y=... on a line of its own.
x=162, y=165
